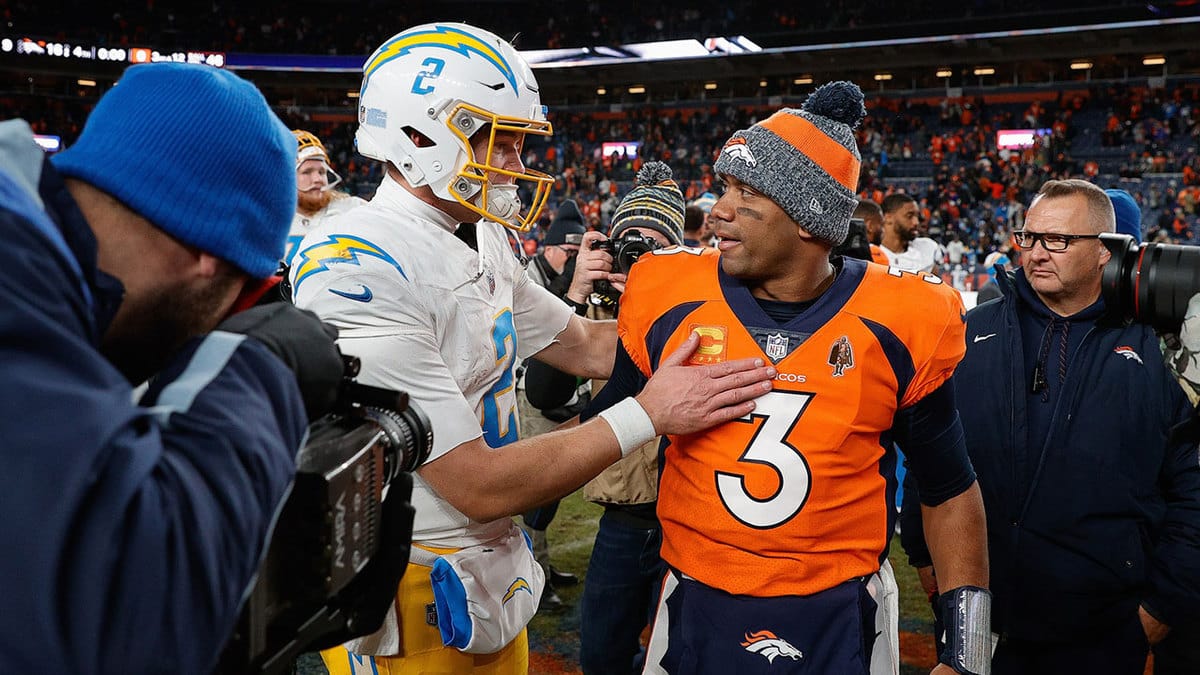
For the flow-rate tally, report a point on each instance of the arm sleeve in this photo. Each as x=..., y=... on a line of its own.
x=931, y=435
x=1174, y=574
x=912, y=528
x=537, y=315
x=139, y=528
x=626, y=381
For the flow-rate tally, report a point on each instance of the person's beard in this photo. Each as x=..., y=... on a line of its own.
x=146, y=333
x=310, y=202
x=908, y=235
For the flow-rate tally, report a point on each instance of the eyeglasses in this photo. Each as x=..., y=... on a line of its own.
x=1051, y=241
x=570, y=252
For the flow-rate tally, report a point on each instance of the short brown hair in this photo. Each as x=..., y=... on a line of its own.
x=1100, y=208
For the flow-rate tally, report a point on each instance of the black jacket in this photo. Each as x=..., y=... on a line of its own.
x=1106, y=514
x=133, y=530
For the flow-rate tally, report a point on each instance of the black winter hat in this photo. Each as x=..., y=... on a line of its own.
x=567, y=226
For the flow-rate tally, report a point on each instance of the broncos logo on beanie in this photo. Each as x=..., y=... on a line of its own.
x=805, y=160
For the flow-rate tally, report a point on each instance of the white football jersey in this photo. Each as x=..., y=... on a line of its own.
x=428, y=315
x=922, y=255
x=302, y=224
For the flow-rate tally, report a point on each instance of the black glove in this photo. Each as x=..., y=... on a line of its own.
x=562, y=283
x=303, y=342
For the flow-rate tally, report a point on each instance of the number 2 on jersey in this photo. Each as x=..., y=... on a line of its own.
x=499, y=418
x=780, y=411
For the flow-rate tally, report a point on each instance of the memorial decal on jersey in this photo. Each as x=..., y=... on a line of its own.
x=841, y=356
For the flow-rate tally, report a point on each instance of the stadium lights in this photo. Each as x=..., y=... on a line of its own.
x=1081, y=65
x=86, y=83
x=945, y=72
x=882, y=77
x=1154, y=60
x=803, y=79
x=352, y=94
x=637, y=89
x=762, y=84
x=709, y=86
x=985, y=70
x=600, y=91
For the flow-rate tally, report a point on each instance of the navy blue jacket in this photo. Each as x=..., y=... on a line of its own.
x=131, y=531
x=1106, y=514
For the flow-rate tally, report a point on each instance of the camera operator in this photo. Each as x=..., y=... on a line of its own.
x=1093, y=510
x=137, y=527
x=423, y=283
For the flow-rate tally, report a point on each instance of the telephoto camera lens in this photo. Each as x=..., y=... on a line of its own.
x=1151, y=283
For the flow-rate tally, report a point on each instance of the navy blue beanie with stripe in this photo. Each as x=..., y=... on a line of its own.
x=198, y=152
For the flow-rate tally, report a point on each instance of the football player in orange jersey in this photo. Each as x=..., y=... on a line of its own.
x=775, y=526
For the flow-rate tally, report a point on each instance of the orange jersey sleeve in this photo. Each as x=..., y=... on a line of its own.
x=796, y=497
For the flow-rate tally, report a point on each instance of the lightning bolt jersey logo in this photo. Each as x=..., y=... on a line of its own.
x=518, y=584
x=440, y=37
x=338, y=248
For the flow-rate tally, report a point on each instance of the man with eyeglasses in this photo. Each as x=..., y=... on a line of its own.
x=1093, y=513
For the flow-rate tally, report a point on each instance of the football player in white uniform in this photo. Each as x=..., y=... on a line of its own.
x=443, y=311
x=316, y=198
x=904, y=249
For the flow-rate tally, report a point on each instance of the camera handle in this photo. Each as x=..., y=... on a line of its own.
x=363, y=604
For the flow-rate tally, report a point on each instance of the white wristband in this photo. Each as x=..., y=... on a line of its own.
x=630, y=424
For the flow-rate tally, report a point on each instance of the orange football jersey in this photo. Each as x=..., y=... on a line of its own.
x=798, y=497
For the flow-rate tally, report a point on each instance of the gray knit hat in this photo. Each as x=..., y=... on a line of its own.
x=655, y=203
x=805, y=160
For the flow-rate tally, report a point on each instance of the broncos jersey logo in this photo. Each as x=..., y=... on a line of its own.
x=337, y=248
x=440, y=37
x=765, y=643
x=518, y=584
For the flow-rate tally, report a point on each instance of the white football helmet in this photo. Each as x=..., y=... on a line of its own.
x=448, y=81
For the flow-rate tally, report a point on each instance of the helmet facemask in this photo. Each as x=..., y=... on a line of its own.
x=474, y=187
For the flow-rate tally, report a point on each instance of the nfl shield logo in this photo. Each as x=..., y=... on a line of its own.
x=777, y=345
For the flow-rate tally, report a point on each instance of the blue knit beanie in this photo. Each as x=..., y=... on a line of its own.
x=1129, y=215
x=196, y=151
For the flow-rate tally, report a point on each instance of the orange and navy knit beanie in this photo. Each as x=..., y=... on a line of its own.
x=805, y=160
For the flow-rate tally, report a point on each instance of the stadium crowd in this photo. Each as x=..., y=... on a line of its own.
x=316, y=28
x=943, y=152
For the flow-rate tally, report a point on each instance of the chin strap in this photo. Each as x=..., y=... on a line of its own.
x=967, y=613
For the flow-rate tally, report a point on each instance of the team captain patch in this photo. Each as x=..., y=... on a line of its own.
x=713, y=344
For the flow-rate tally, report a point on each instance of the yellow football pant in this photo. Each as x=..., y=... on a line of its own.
x=422, y=652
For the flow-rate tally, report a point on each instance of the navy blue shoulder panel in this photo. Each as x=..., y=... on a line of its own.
x=664, y=327
x=897, y=353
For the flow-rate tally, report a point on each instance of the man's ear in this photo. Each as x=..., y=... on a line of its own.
x=208, y=266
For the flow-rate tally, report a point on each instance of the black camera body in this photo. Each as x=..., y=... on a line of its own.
x=1151, y=283
x=625, y=250
x=342, y=539
x=855, y=245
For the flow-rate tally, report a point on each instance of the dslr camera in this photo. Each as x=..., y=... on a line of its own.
x=625, y=250
x=1149, y=283
x=342, y=539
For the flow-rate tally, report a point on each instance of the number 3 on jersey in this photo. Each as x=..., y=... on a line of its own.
x=780, y=411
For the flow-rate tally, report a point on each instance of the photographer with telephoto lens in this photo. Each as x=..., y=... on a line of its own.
x=1093, y=505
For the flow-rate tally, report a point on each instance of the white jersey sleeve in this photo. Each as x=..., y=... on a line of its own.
x=538, y=315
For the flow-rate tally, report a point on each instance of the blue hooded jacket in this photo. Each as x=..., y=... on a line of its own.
x=133, y=530
x=1106, y=513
